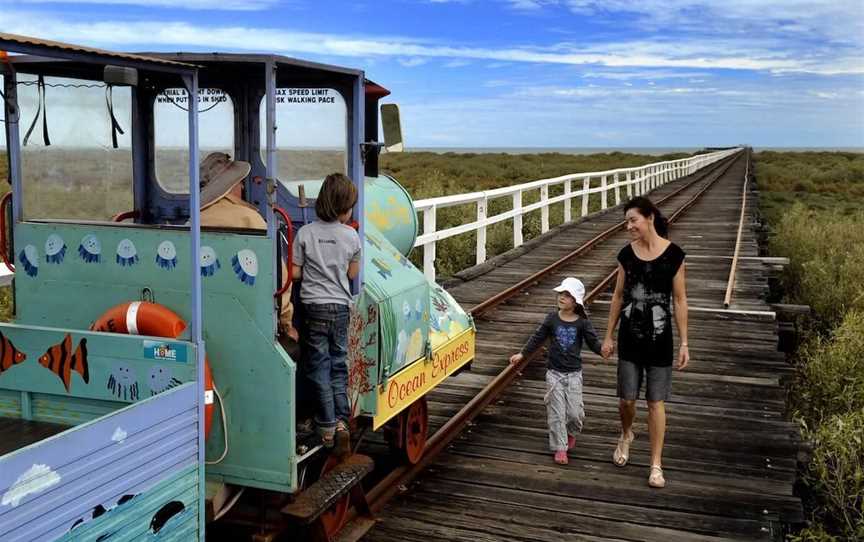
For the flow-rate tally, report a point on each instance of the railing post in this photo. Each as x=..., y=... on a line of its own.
x=568, y=189
x=544, y=210
x=617, y=189
x=429, y=248
x=603, y=202
x=586, y=185
x=517, y=219
x=629, y=185
x=482, y=213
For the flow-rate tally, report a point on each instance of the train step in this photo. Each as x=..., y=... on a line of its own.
x=342, y=480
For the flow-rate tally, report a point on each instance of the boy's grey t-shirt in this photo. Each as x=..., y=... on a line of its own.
x=325, y=249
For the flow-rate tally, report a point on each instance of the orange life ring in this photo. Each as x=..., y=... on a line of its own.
x=146, y=318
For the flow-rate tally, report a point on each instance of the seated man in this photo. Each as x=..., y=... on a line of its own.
x=222, y=205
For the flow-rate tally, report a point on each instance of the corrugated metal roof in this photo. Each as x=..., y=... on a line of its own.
x=68, y=47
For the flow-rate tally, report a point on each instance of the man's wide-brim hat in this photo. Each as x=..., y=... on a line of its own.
x=218, y=175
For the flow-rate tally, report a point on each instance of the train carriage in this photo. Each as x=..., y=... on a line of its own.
x=134, y=328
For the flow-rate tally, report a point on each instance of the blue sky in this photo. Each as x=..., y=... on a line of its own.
x=544, y=73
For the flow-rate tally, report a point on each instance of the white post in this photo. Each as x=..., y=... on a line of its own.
x=544, y=210
x=586, y=184
x=629, y=186
x=429, y=248
x=617, y=191
x=482, y=206
x=603, y=202
x=568, y=188
x=517, y=219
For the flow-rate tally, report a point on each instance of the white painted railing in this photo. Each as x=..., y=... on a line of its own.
x=636, y=181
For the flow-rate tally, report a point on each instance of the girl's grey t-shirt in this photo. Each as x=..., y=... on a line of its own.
x=324, y=250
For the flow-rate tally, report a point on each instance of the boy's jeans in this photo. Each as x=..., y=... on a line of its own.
x=326, y=342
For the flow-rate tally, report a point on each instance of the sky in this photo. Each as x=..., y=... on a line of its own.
x=535, y=73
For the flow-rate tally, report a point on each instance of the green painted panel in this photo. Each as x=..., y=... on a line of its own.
x=134, y=519
x=10, y=404
x=253, y=374
x=115, y=364
x=78, y=288
x=363, y=355
x=390, y=209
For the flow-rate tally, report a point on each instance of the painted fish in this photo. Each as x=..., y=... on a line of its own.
x=61, y=361
x=9, y=355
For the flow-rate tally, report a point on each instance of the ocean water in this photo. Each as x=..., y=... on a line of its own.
x=651, y=151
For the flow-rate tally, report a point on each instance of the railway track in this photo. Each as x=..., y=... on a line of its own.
x=487, y=404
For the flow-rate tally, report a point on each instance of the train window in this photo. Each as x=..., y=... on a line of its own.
x=311, y=133
x=76, y=159
x=171, y=126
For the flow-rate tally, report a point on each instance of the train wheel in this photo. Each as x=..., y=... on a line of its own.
x=415, y=430
x=335, y=517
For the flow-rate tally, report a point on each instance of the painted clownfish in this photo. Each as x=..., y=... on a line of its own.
x=9, y=355
x=61, y=361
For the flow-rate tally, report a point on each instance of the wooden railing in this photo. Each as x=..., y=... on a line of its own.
x=635, y=181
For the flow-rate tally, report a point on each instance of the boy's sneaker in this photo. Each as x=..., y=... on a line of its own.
x=571, y=442
x=342, y=439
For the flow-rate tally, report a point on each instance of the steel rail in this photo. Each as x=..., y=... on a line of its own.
x=727, y=299
x=504, y=295
x=401, y=476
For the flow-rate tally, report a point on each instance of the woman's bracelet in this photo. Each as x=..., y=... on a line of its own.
x=683, y=344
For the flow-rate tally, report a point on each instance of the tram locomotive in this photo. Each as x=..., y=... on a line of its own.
x=132, y=332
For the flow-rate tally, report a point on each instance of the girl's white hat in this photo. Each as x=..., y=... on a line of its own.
x=574, y=287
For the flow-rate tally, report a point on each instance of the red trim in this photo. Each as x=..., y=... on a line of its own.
x=120, y=217
x=4, y=245
x=290, y=265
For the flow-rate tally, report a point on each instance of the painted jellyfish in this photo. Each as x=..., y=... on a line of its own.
x=127, y=254
x=161, y=379
x=55, y=249
x=123, y=382
x=90, y=249
x=29, y=258
x=166, y=255
x=245, y=264
x=209, y=262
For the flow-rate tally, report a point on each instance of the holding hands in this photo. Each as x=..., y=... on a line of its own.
x=608, y=348
x=516, y=358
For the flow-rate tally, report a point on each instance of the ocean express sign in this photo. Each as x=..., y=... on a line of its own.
x=413, y=382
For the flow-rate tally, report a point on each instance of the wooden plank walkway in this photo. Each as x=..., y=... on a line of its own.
x=730, y=453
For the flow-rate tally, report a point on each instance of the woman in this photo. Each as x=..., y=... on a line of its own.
x=650, y=273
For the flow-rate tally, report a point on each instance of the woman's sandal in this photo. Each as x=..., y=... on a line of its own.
x=655, y=478
x=622, y=452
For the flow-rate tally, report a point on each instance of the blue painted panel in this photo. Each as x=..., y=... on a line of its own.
x=48, y=486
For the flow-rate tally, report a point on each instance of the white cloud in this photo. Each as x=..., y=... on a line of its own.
x=37, y=478
x=412, y=62
x=732, y=52
x=208, y=5
x=119, y=435
x=456, y=64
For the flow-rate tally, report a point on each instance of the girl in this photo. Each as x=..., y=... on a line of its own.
x=327, y=256
x=568, y=326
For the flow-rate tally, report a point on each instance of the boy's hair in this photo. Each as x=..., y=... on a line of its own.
x=338, y=195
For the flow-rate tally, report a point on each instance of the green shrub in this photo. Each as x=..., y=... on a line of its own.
x=826, y=252
x=835, y=476
x=830, y=373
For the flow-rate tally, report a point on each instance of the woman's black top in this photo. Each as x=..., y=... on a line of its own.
x=645, y=335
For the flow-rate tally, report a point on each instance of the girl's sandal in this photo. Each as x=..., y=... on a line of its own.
x=656, y=479
x=622, y=452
